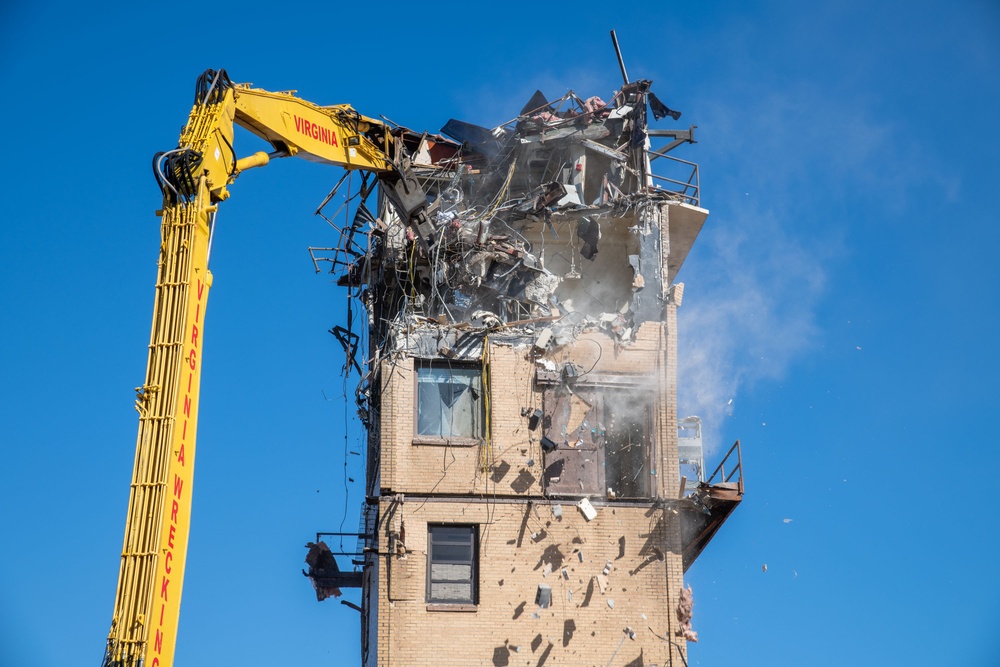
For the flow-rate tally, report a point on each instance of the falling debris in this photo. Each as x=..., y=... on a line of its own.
x=787, y=520
x=763, y=568
x=325, y=575
x=685, y=610
x=543, y=596
x=587, y=509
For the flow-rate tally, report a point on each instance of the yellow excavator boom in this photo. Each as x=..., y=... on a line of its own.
x=194, y=179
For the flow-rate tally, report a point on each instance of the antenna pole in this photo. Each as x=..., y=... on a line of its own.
x=618, y=52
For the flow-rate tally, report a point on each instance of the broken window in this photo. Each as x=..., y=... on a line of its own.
x=598, y=441
x=626, y=444
x=449, y=400
x=452, y=556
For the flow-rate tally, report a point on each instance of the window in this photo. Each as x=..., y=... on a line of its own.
x=626, y=445
x=449, y=400
x=451, y=564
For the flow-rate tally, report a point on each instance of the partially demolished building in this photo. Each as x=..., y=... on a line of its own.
x=525, y=498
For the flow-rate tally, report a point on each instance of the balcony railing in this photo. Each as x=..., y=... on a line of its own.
x=685, y=181
x=720, y=476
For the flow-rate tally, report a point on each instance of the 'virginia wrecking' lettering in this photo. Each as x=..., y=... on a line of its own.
x=318, y=132
x=175, y=533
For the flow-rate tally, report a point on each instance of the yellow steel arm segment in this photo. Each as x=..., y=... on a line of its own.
x=194, y=178
x=147, y=603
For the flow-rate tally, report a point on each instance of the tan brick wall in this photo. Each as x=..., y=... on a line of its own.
x=458, y=469
x=516, y=542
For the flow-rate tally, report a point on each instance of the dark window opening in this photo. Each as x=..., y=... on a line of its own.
x=450, y=400
x=452, y=556
x=626, y=446
x=599, y=441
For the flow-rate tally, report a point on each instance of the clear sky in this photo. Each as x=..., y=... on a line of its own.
x=843, y=296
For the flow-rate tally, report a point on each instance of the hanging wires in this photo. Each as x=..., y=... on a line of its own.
x=485, y=456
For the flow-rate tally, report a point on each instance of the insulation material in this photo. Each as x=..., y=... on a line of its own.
x=685, y=609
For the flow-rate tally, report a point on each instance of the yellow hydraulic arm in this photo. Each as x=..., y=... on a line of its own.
x=194, y=178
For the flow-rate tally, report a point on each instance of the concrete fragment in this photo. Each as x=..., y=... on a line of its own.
x=557, y=511
x=589, y=513
x=611, y=603
x=543, y=596
x=602, y=582
x=543, y=340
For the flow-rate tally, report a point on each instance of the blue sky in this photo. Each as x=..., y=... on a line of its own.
x=843, y=296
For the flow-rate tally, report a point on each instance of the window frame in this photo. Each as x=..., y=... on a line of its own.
x=450, y=440
x=456, y=605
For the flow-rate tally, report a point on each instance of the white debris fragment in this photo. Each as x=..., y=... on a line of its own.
x=589, y=513
x=547, y=364
x=787, y=520
x=611, y=603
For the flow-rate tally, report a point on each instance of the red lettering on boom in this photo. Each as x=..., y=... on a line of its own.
x=194, y=335
x=163, y=588
x=178, y=485
x=158, y=643
x=310, y=129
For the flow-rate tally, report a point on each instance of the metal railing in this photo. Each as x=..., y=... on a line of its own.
x=720, y=471
x=690, y=189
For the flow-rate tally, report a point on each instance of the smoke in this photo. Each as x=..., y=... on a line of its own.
x=748, y=312
x=758, y=272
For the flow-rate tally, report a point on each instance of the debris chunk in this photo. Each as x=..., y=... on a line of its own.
x=685, y=610
x=543, y=596
x=589, y=513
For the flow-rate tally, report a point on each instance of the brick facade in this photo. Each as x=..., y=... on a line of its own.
x=615, y=580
